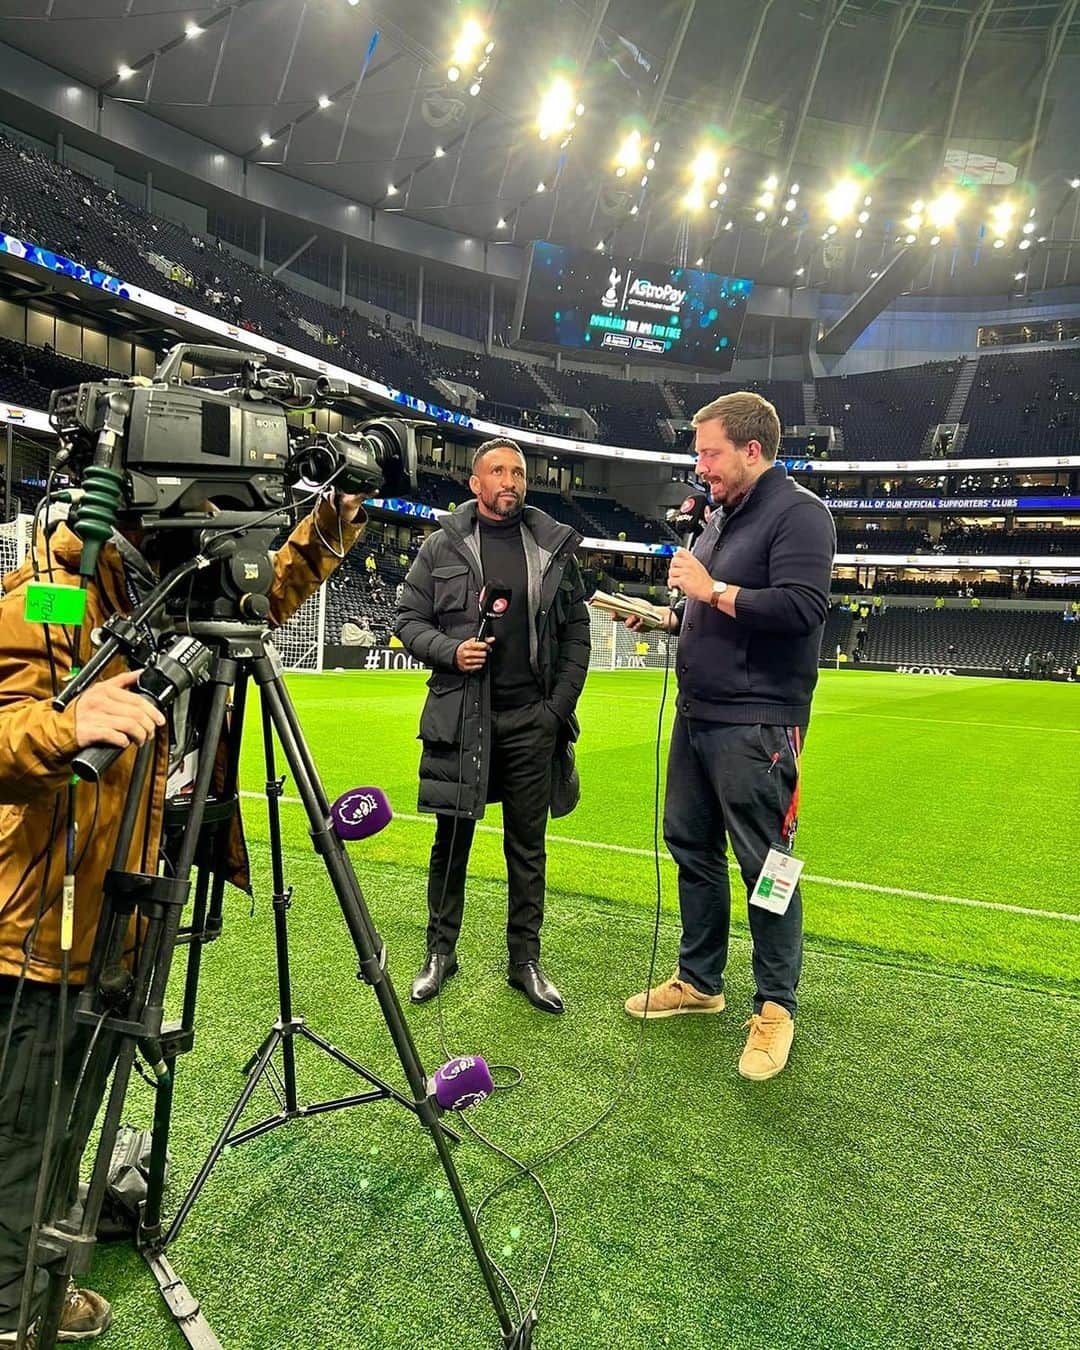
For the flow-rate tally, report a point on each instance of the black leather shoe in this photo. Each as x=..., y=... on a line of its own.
x=535, y=985
x=432, y=975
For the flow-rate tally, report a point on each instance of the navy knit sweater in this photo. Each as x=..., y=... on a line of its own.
x=777, y=545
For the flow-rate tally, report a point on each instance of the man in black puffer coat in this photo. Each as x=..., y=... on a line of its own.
x=499, y=722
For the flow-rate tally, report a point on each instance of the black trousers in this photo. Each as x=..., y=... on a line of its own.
x=521, y=765
x=728, y=781
x=25, y=1091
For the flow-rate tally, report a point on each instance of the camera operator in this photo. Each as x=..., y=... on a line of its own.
x=37, y=746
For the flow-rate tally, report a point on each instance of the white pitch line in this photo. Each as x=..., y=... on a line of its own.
x=839, y=882
x=948, y=721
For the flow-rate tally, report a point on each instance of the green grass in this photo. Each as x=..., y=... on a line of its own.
x=910, y=1181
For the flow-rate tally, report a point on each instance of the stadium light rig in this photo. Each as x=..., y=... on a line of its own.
x=559, y=110
x=1001, y=221
x=470, y=54
x=124, y=73
x=703, y=169
x=840, y=200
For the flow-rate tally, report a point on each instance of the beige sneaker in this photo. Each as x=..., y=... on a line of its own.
x=672, y=997
x=767, y=1047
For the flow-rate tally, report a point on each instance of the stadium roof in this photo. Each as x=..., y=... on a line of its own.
x=356, y=98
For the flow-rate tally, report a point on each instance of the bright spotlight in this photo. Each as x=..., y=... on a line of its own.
x=541, y=186
x=469, y=42
x=700, y=262
x=841, y=198
x=1001, y=218
x=391, y=190
x=474, y=88
x=124, y=73
x=935, y=240
x=633, y=209
x=999, y=243
x=556, y=112
x=864, y=216
x=831, y=230
x=783, y=221
x=500, y=224
x=714, y=203
x=1025, y=244
x=1019, y=276
x=794, y=189
x=599, y=246
x=800, y=271
x=266, y=139
x=913, y=221
x=453, y=74
x=771, y=183
x=909, y=238
x=192, y=30
x=858, y=233
x=1029, y=227
x=729, y=225
x=628, y=155
x=694, y=199
x=1074, y=182
x=767, y=199
x=704, y=165
x=324, y=101
x=944, y=209
x=789, y=205
x=439, y=152
x=759, y=216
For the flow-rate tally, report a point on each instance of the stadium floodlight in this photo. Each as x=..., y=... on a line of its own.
x=944, y=209
x=935, y=239
x=783, y=221
x=266, y=139
x=124, y=73
x=599, y=246
x=391, y=189
x=858, y=233
x=700, y=262
x=909, y=238
x=192, y=31
x=1074, y=182
x=438, y=152
x=325, y=101
x=714, y=203
x=914, y=221
x=771, y=183
x=789, y=205
x=500, y=224
x=1025, y=244
x=864, y=216
x=794, y=189
x=634, y=209
x=841, y=198
x=453, y=74
x=541, y=186
x=1019, y=276
x=1029, y=227
x=694, y=199
x=628, y=155
x=1001, y=218
x=999, y=243
x=558, y=109
x=800, y=271
x=759, y=216
x=767, y=199
x=474, y=88
x=729, y=225
x=468, y=44
x=832, y=230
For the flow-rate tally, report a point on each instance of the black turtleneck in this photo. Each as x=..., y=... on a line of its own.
x=502, y=553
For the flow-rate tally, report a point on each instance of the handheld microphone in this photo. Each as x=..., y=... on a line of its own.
x=690, y=518
x=689, y=521
x=463, y=1082
x=360, y=813
x=494, y=602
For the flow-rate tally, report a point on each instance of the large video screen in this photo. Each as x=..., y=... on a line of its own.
x=629, y=309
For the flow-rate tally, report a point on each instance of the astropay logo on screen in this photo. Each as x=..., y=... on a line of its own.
x=642, y=293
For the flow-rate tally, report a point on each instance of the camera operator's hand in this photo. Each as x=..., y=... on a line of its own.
x=108, y=713
x=348, y=506
x=471, y=655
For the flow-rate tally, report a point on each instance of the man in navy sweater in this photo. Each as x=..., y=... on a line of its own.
x=756, y=594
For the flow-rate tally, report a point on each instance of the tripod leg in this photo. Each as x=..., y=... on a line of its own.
x=369, y=948
x=280, y=902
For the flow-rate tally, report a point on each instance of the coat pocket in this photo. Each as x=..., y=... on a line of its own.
x=450, y=588
x=440, y=721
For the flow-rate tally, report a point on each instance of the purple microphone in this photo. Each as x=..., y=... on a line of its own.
x=360, y=813
x=465, y=1081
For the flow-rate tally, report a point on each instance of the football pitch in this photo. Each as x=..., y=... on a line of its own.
x=910, y=1181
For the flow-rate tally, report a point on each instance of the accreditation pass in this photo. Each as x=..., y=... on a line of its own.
x=776, y=884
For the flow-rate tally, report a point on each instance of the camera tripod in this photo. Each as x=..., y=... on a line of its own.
x=124, y=1004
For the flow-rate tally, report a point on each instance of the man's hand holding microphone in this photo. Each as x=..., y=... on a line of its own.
x=471, y=654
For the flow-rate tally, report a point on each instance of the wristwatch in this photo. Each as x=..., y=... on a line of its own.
x=718, y=589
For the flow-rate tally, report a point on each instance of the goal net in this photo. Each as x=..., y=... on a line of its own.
x=615, y=647
x=14, y=542
x=300, y=641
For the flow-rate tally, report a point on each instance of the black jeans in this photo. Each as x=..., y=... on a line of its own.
x=522, y=751
x=723, y=782
x=25, y=1091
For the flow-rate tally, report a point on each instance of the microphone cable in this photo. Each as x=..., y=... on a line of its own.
x=529, y=1168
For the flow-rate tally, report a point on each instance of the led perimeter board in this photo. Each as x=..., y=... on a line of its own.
x=628, y=309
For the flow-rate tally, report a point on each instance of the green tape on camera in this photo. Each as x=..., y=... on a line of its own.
x=47, y=603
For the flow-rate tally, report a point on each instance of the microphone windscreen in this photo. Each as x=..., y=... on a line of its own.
x=360, y=813
x=691, y=515
x=465, y=1081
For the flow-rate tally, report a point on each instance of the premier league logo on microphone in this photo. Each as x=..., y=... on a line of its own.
x=355, y=807
x=500, y=604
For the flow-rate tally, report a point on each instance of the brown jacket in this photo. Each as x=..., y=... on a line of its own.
x=37, y=745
